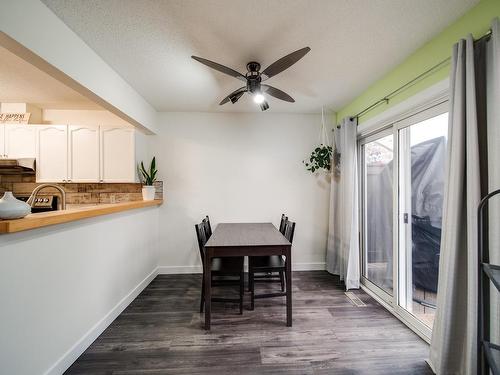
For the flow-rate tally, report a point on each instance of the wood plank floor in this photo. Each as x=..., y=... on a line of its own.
x=161, y=333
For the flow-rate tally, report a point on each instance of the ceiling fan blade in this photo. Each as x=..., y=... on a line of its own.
x=220, y=68
x=284, y=62
x=234, y=96
x=277, y=93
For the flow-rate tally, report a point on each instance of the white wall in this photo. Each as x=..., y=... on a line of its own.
x=60, y=286
x=238, y=168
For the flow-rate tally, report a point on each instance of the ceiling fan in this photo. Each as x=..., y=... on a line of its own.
x=254, y=77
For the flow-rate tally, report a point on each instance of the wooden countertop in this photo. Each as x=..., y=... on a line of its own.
x=44, y=219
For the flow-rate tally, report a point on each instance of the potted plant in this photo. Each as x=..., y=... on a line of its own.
x=148, y=179
x=321, y=158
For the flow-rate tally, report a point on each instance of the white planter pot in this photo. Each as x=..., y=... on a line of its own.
x=148, y=193
x=12, y=208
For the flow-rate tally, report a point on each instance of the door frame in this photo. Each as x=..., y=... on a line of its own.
x=424, y=111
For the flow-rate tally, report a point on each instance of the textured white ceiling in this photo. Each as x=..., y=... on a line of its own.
x=21, y=82
x=353, y=42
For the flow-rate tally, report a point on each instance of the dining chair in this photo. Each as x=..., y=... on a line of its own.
x=208, y=227
x=270, y=277
x=271, y=264
x=283, y=220
x=225, y=271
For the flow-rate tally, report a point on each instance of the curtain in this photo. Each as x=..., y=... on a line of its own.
x=342, y=257
x=453, y=347
x=493, y=126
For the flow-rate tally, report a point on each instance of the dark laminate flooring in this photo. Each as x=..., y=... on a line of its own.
x=161, y=333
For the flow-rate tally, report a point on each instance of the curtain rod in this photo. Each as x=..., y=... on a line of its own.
x=386, y=98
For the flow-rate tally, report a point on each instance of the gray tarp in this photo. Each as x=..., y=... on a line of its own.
x=427, y=174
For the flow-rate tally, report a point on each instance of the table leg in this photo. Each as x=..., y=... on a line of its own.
x=288, y=255
x=208, y=288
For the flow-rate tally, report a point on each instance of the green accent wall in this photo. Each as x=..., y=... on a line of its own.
x=476, y=21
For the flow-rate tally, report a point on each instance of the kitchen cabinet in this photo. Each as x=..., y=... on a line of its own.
x=19, y=141
x=73, y=153
x=52, y=153
x=83, y=154
x=117, y=150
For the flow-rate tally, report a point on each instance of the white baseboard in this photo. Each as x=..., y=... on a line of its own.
x=172, y=270
x=67, y=359
x=319, y=266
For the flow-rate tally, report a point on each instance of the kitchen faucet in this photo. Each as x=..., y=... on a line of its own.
x=32, y=198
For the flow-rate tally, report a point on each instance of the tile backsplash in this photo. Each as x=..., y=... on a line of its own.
x=76, y=193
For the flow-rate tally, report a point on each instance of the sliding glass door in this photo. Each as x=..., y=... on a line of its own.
x=402, y=179
x=422, y=154
x=378, y=155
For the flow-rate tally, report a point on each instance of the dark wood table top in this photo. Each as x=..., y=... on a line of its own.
x=246, y=234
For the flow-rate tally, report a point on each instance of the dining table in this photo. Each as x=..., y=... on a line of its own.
x=246, y=239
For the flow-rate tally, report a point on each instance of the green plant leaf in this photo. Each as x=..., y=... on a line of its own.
x=139, y=173
x=145, y=174
x=152, y=167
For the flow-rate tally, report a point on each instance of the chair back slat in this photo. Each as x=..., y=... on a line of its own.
x=289, y=230
x=208, y=227
x=282, y=223
x=202, y=240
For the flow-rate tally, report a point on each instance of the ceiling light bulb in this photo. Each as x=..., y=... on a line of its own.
x=258, y=98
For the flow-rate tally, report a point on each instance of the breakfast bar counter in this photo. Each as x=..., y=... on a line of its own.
x=43, y=219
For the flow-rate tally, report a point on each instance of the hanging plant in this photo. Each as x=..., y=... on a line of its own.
x=321, y=157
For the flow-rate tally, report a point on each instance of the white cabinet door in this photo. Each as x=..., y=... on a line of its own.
x=117, y=154
x=52, y=153
x=2, y=141
x=83, y=143
x=20, y=141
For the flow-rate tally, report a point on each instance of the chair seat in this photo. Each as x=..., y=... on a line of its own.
x=227, y=265
x=273, y=261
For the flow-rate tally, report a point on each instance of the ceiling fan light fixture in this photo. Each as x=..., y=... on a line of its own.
x=253, y=78
x=259, y=98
